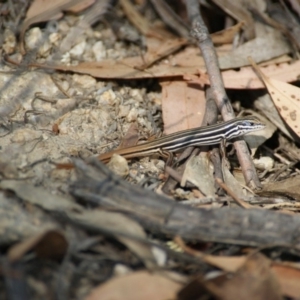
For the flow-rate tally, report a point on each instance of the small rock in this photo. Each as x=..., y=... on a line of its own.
x=264, y=163
x=108, y=97
x=78, y=50
x=118, y=164
x=123, y=111
x=120, y=269
x=99, y=51
x=9, y=42
x=84, y=81
x=33, y=39
x=55, y=38
x=132, y=116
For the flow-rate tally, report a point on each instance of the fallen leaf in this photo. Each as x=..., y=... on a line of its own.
x=81, y=6
x=246, y=78
x=136, y=286
x=183, y=105
x=131, y=137
x=271, y=44
x=226, y=263
x=286, y=98
x=254, y=280
x=289, y=278
x=227, y=35
x=266, y=106
x=199, y=173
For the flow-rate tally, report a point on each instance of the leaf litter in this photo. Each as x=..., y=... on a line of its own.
x=106, y=87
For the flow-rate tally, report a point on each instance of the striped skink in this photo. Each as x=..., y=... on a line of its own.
x=201, y=136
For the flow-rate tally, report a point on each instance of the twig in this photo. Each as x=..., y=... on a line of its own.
x=170, y=17
x=238, y=201
x=201, y=34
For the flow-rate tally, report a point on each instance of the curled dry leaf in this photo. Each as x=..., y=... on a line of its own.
x=286, y=98
x=227, y=35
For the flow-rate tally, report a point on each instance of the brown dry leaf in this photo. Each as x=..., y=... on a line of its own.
x=136, y=286
x=133, y=67
x=43, y=10
x=254, y=280
x=131, y=137
x=49, y=244
x=185, y=63
x=286, y=98
x=183, y=105
x=289, y=278
x=287, y=275
x=288, y=188
x=227, y=35
x=246, y=78
x=226, y=263
x=81, y=6
x=265, y=105
x=285, y=58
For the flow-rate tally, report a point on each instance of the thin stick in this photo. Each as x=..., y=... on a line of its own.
x=238, y=201
x=201, y=34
